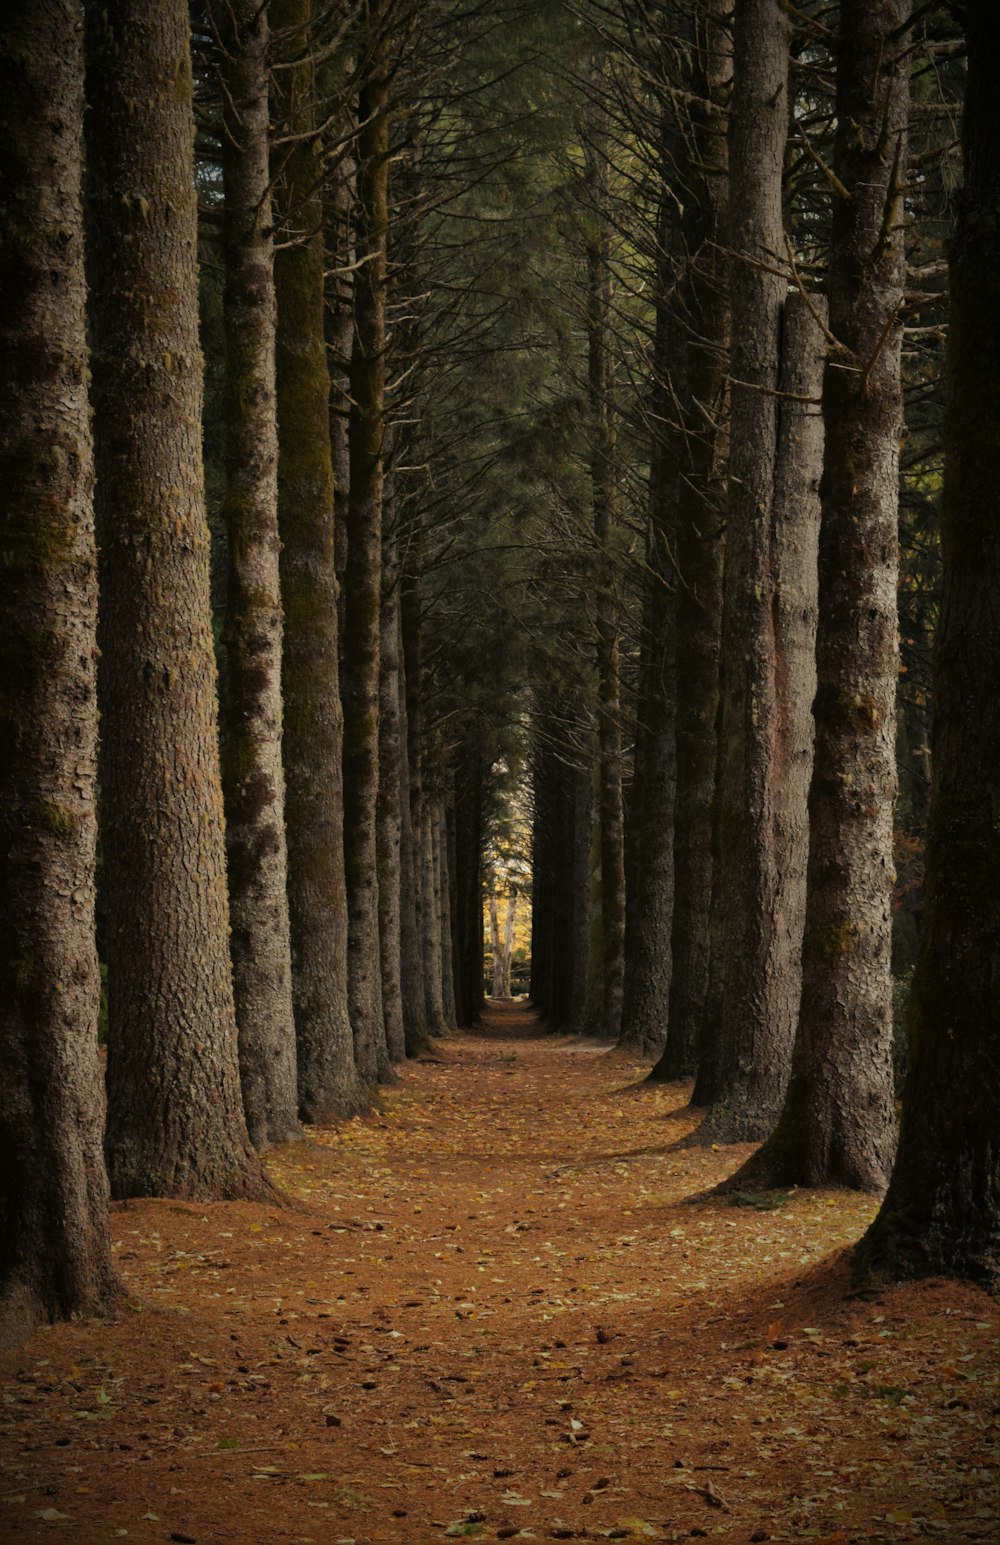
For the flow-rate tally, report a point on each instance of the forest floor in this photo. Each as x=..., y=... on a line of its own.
x=494, y=1311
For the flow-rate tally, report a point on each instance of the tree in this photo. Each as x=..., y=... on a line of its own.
x=604, y=497
x=55, y=1254
x=329, y=1086
x=175, y=1117
x=838, y=1122
x=698, y=314
x=363, y=575
x=942, y=1210
x=253, y=776
x=767, y=675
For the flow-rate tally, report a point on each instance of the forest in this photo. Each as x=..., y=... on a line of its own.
x=499, y=770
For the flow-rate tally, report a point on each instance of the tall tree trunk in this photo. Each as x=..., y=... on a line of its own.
x=55, y=1254
x=751, y=1013
x=496, y=948
x=442, y=867
x=329, y=1085
x=581, y=818
x=469, y=888
x=700, y=525
x=363, y=576
x=942, y=1211
x=838, y=1123
x=508, y=941
x=391, y=752
x=604, y=495
x=175, y=1116
x=339, y=238
x=595, y=997
x=649, y=899
x=252, y=774
x=411, y=969
x=430, y=920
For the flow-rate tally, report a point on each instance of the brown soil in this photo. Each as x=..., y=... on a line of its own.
x=492, y=1313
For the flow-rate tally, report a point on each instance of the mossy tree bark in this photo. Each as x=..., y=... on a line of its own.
x=55, y=1254
x=756, y=925
x=363, y=575
x=838, y=1123
x=175, y=1117
x=329, y=1085
x=252, y=773
x=942, y=1211
x=700, y=523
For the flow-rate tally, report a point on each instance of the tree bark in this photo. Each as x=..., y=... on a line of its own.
x=329, y=1085
x=649, y=894
x=942, y=1211
x=430, y=920
x=496, y=948
x=363, y=575
x=411, y=970
x=442, y=870
x=252, y=774
x=700, y=544
x=838, y=1125
x=469, y=888
x=603, y=493
x=175, y=1116
x=750, y=1012
x=391, y=752
x=55, y=1254
x=581, y=819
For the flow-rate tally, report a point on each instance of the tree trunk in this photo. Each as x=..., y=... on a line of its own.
x=496, y=948
x=55, y=1256
x=391, y=752
x=750, y=1017
x=411, y=969
x=604, y=494
x=252, y=774
x=838, y=1126
x=649, y=894
x=595, y=999
x=430, y=920
x=175, y=1116
x=942, y=1211
x=469, y=888
x=442, y=868
x=581, y=820
x=700, y=525
x=508, y=941
x=363, y=576
x=338, y=231
x=329, y=1086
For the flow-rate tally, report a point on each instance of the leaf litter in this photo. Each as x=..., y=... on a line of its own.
x=492, y=1311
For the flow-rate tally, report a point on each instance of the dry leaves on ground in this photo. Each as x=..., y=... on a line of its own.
x=492, y=1313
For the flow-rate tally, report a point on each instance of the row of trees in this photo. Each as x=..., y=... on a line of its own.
x=788, y=250
x=290, y=812
x=506, y=449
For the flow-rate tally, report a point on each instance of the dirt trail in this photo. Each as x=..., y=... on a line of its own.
x=492, y=1313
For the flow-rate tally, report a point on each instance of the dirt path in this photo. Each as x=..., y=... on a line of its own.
x=494, y=1313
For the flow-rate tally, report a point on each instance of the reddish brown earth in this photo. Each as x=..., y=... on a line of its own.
x=492, y=1313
